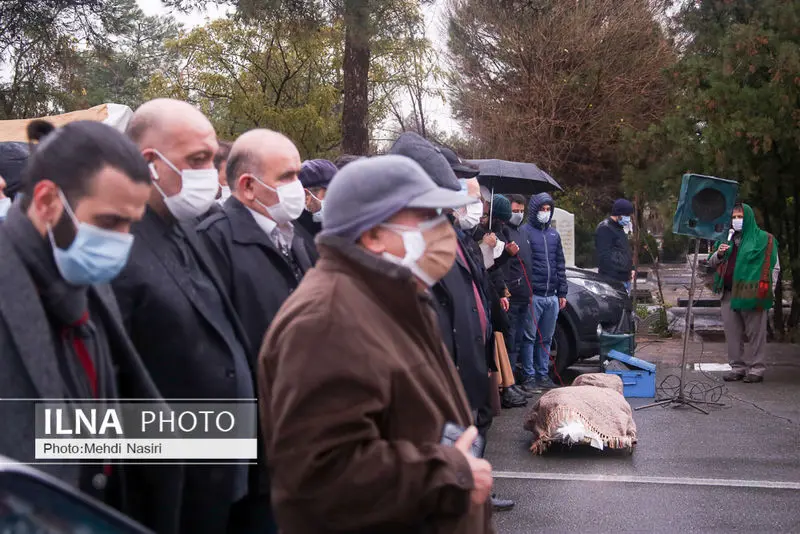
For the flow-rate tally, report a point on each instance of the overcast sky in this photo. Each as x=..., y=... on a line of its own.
x=435, y=26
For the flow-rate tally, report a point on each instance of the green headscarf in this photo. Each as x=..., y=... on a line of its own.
x=749, y=266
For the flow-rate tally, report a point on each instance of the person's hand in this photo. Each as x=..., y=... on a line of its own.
x=481, y=469
x=490, y=239
x=562, y=303
x=633, y=275
x=505, y=304
x=723, y=248
x=512, y=249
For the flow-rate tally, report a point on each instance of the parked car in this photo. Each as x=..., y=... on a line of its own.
x=31, y=501
x=592, y=301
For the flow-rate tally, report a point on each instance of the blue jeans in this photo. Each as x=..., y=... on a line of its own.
x=545, y=314
x=521, y=334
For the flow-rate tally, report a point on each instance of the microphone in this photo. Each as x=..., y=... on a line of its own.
x=730, y=234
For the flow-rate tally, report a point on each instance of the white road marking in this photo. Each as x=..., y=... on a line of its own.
x=713, y=367
x=633, y=479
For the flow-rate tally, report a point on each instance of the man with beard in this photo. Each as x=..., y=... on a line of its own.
x=61, y=333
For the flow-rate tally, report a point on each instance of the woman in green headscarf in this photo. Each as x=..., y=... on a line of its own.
x=747, y=269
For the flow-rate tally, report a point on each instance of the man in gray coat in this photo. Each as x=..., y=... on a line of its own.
x=61, y=334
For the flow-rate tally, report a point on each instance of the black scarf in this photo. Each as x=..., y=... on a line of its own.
x=85, y=365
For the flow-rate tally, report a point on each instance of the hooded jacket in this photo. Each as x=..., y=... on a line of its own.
x=548, y=276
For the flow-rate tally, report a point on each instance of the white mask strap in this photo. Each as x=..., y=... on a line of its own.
x=165, y=160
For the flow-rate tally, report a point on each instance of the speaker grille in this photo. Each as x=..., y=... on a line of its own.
x=708, y=204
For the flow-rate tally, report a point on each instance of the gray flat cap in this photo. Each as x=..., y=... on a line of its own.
x=429, y=156
x=370, y=191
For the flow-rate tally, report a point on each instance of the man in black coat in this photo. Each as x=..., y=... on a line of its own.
x=175, y=307
x=614, y=257
x=517, y=272
x=464, y=312
x=315, y=175
x=260, y=254
x=61, y=333
x=262, y=261
x=463, y=295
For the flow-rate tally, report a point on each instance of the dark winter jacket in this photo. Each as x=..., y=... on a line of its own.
x=518, y=269
x=614, y=258
x=548, y=274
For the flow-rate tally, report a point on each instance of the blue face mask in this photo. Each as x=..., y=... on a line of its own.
x=625, y=220
x=96, y=256
x=5, y=204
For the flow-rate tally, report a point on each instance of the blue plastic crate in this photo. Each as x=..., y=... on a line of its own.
x=639, y=382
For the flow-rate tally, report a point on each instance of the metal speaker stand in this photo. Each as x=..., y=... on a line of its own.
x=680, y=399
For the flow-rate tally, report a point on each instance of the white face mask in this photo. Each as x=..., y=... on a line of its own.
x=737, y=224
x=291, y=201
x=317, y=215
x=198, y=190
x=470, y=215
x=226, y=193
x=543, y=217
x=516, y=218
x=5, y=204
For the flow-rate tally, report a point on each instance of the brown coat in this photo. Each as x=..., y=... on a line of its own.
x=355, y=388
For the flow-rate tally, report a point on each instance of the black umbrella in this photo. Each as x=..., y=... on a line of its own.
x=509, y=177
x=513, y=177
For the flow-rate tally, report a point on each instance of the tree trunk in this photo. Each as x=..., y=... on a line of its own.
x=794, y=248
x=355, y=133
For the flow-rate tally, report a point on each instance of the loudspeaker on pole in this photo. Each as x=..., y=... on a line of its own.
x=705, y=207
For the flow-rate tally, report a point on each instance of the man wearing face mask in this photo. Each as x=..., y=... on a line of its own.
x=614, y=257
x=747, y=273
x=255, y=241
x=464, y=295
x=518, y=271
x=548, y=283
x=355, y=430
x=175, y=306
x=484, y=246
x=316, y=176
x=61, y=335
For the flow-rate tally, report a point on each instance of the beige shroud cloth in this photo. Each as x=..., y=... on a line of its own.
x=600, y=380
x=598, y=404
x=115, y=115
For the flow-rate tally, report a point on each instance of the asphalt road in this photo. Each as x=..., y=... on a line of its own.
x=735, y=470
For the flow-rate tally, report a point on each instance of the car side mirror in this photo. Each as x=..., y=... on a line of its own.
x=31, y=501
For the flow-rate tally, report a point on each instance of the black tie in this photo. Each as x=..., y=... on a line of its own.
x=289, y=255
